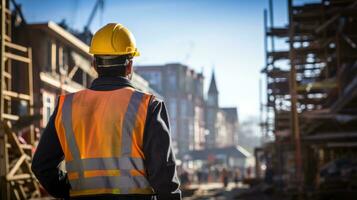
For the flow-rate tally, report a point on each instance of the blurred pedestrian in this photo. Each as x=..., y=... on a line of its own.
x=199, y=174
x=236, y=177
x=225, y=177
x=184, y=177
x=216, y=174
x=249, y=171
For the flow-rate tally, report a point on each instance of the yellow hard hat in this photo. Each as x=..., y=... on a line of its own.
x=113, y=39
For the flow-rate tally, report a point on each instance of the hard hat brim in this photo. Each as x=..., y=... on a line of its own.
x=134, y=54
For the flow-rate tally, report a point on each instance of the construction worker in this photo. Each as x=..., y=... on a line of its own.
x=115, y=139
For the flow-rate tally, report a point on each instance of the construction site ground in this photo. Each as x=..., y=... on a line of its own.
x=215, y=191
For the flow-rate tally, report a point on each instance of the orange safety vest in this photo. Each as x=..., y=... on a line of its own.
x=101, y=134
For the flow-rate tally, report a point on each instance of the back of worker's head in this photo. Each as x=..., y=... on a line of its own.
x=113, y=66
x=113, y=47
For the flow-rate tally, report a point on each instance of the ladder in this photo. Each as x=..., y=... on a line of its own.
x=16, y=102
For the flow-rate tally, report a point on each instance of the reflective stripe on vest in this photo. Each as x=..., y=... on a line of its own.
x=115, y=175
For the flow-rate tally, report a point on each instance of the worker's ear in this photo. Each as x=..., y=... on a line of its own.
x=129, y=69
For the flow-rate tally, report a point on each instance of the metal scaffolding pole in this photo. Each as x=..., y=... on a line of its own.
x=271, y=18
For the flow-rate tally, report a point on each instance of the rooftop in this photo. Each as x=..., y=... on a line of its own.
x=232, y=151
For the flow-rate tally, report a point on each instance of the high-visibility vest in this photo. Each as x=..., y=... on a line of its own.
x=101, y=134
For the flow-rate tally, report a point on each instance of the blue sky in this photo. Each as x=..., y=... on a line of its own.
x=204, y=34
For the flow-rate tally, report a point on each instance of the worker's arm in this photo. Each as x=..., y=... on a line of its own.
x=159, y=158
x=45, y=164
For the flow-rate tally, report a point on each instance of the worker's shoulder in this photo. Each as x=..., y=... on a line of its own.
x=156, y=103
x=140, y=91
x=154, y=100
x=69, y=94
x=152, y=96
x=65, y=95
x=62, y=97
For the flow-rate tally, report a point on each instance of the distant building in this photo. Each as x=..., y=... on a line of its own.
x=231, y=126
x=231, y=157
x=182, y=89
x=213, y=118
x=61, y=64
x=221, y=123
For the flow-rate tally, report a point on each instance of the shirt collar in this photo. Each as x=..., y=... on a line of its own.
x=117, y=82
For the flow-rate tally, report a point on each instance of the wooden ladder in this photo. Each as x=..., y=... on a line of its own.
x=16, y=103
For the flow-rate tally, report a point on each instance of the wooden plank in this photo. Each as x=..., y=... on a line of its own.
x=7, y=75
x=294, y=126
x=15, y=193
x=5, y=187
x=10, y=116
x=13, y=140
x=26, y=179
x=12, y=172
x=327, y=23
x=6, y=37
x=317, y=85
x=23, y=146
x=73, y=71
x=31, y=96
x=19, y=177
x=16, y=95
x=22, y=191
x=17, y=57
x=16, y=46
x=341, y=145
x=333, y=136
x=26, y=146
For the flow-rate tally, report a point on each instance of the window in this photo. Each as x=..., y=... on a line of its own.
x=172, y=82
x=199, y=87
x=48, y=100
x=155, y=79
x=187, y=109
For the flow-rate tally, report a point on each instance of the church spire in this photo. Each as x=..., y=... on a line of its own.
x=213, y=87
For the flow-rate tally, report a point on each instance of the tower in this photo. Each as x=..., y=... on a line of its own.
x=212, y=109
x=212, y=97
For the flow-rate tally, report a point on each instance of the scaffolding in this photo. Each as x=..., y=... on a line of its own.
x=17, y=135
x=311, y=84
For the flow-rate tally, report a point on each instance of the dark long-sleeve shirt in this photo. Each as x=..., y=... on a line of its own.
x=159, y=158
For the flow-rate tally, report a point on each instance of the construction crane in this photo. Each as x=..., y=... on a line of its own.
x=86, y=35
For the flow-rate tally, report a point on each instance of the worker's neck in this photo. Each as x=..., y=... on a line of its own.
x=113, y=76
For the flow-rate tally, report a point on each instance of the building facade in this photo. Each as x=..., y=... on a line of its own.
x=231, y=126
x=182, y=90
x=221, y=123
